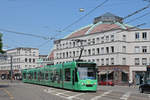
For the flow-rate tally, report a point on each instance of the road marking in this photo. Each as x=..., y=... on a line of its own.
x=74, y=96
x=149, y=95
x=8, y=93
x=104, y=94
x=125, y=96
x=62, y=93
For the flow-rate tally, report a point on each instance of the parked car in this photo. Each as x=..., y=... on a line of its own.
x=145, y=87
x=109, y=82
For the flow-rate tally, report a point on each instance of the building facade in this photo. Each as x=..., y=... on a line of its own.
x=22, y=58
x=44, y=60
x=121, y=51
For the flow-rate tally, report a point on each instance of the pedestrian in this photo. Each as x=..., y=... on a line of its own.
x=130, y=83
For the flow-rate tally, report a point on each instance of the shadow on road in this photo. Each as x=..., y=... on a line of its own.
x=4, y=86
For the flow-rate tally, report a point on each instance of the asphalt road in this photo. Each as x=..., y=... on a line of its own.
x=23, y=91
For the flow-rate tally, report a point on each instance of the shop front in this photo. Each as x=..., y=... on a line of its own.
x=119, y=75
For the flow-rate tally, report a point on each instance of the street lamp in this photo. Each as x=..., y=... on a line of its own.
x=81, y=9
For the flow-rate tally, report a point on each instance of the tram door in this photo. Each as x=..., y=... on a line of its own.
x=73, y=78
x=61, y=78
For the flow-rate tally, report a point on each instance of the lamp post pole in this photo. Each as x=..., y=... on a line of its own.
x=11, y=70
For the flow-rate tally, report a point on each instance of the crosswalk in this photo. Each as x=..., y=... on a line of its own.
x=99, y=95
x=125, y=96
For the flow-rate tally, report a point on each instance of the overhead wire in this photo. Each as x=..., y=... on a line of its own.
x=27, y=34
x=138, y=17
x=133, y=13
x=100, y=5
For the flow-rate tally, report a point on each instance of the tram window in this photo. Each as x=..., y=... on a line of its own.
x=42, y=76
x=76, y=77
x=39, y=74
x=51, y=77
x=34, y=75
x=57, y=77
x=46, y=76
x=28, y=76
x=31, y=76
x=24, y=75
x=67, y=74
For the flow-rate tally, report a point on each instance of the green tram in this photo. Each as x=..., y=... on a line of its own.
x=75, y=75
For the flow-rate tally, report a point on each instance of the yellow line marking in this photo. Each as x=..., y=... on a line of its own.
x=8, y=93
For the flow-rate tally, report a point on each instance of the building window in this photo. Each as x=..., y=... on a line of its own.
x=89, y=41
x=93, y=60
x=102, y=62
x=74, y=44
x=66, y=54
x=85, y=42
x=70, y=54
x=97, y=40
x=124, y=61
x=102, y=39
x=66, y=45
x=97, y=50
x=107, y=61
x=124, y=49
x=93, y=51
x=93, y=41
x=63, y=45
x=137, y=61
x=124, y=37
x=97, y=60
x=107, y=49
x=89, y=51
x=144, y=61
x=137, y=49
x=144, y=35
x=57, y=46
x=26, y=60
x=29, y=59
x=112, y=49
x=112, y=37
x=107, y=38
x=102, y=50
x=84, y=52
x=74, y=53
x=112, y=61
x=77, y=53
x=33, y=60
x=63, y=55
x=137, y=35
x=70, y=44
x=144, y=49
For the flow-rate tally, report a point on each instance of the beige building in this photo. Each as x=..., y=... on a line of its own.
x=22, y=58
x=120, y=51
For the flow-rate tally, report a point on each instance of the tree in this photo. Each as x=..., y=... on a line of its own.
x=1, y=44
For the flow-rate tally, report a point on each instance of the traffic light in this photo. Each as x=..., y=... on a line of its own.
x=1, y=44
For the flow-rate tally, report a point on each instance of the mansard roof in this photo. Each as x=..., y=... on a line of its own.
x=106, y=22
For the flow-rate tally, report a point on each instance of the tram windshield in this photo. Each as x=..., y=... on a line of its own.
x=87, y=71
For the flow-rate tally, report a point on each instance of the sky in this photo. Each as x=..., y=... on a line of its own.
x=48, y=17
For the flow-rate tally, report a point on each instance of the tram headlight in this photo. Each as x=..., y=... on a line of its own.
x=95, y=83
x=83, y=83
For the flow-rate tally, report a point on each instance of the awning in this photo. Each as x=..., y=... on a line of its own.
x=105, y=72
x=125, y=71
